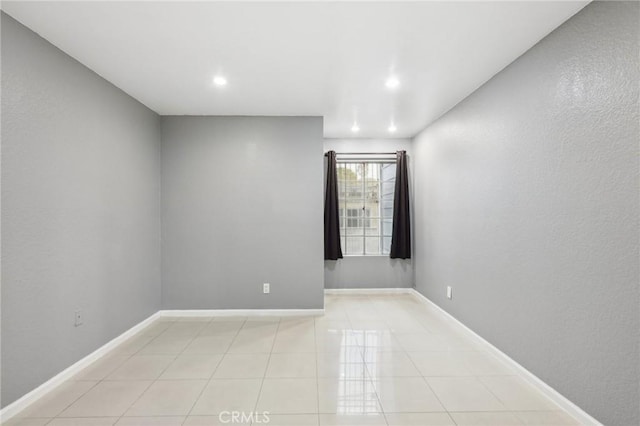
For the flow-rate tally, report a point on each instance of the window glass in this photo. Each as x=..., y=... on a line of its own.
x=365, y=197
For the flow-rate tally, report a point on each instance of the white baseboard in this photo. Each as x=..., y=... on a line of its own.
x=572, y=409
x=15, y=407
x=20, y=404
x=364, y=291
x=239, y=313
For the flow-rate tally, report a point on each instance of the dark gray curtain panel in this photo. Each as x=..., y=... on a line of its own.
x=401, y=235
x=332, y=249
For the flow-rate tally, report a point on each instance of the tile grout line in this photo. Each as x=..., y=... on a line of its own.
x=384, y=415
x=99, y=381
x=424, y=378
x=163, y=370
x=364, y=316
x=363, y=349
x=264, y=376
x=494, y=395
x=213, y=372
x=70, y=404
x=470, y=376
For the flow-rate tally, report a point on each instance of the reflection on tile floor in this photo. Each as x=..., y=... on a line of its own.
x=369, y=360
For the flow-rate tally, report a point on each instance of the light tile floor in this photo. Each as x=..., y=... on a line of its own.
x=369, y=360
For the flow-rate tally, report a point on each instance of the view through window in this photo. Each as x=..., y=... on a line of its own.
x=365, y=198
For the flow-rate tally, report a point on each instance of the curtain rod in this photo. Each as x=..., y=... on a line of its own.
x=363, y=153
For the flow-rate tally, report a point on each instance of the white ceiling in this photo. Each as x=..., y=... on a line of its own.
x=298, y=58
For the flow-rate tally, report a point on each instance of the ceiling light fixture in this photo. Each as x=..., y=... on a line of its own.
x=392, y=82
x=355, y=128
x=392, y=128
x=219, y=80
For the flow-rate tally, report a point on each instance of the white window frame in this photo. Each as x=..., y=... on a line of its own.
x=365, y=221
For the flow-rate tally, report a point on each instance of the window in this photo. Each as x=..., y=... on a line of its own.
x=352, y=218
x=365, y=197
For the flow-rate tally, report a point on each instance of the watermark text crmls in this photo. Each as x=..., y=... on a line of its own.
x=240, y=417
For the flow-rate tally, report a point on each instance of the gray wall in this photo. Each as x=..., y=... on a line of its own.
x=80, y=210
x=242, y=205
x=369, y=271
x=527, y=205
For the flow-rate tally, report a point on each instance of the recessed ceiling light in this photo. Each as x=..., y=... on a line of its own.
x=355, y=128
x=392, y=82
x=219, y=80
x=392, y=128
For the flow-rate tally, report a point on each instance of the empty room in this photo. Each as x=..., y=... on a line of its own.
x=315, y=213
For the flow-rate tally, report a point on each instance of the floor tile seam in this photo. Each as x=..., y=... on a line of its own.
x=146, y=389
x=140, y=333
x=349, y=320
x=255, y=407
x=136, y=400
x=96, y=382
x=427, y=383
x=120, y=364
x=379, y=400
x=157, y=379
x=174, y=357
x=213, y=372
x=129, y=356
x=369, y=378
x=495, y=395
x=436, y=395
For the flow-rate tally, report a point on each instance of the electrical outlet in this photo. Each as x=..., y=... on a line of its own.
x=78, y=320
x=266, y=288
x=449, y=294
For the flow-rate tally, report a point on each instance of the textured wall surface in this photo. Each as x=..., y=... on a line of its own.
x=80, y=210
x=242, y=205
x=527, y=205
x=369, y=271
